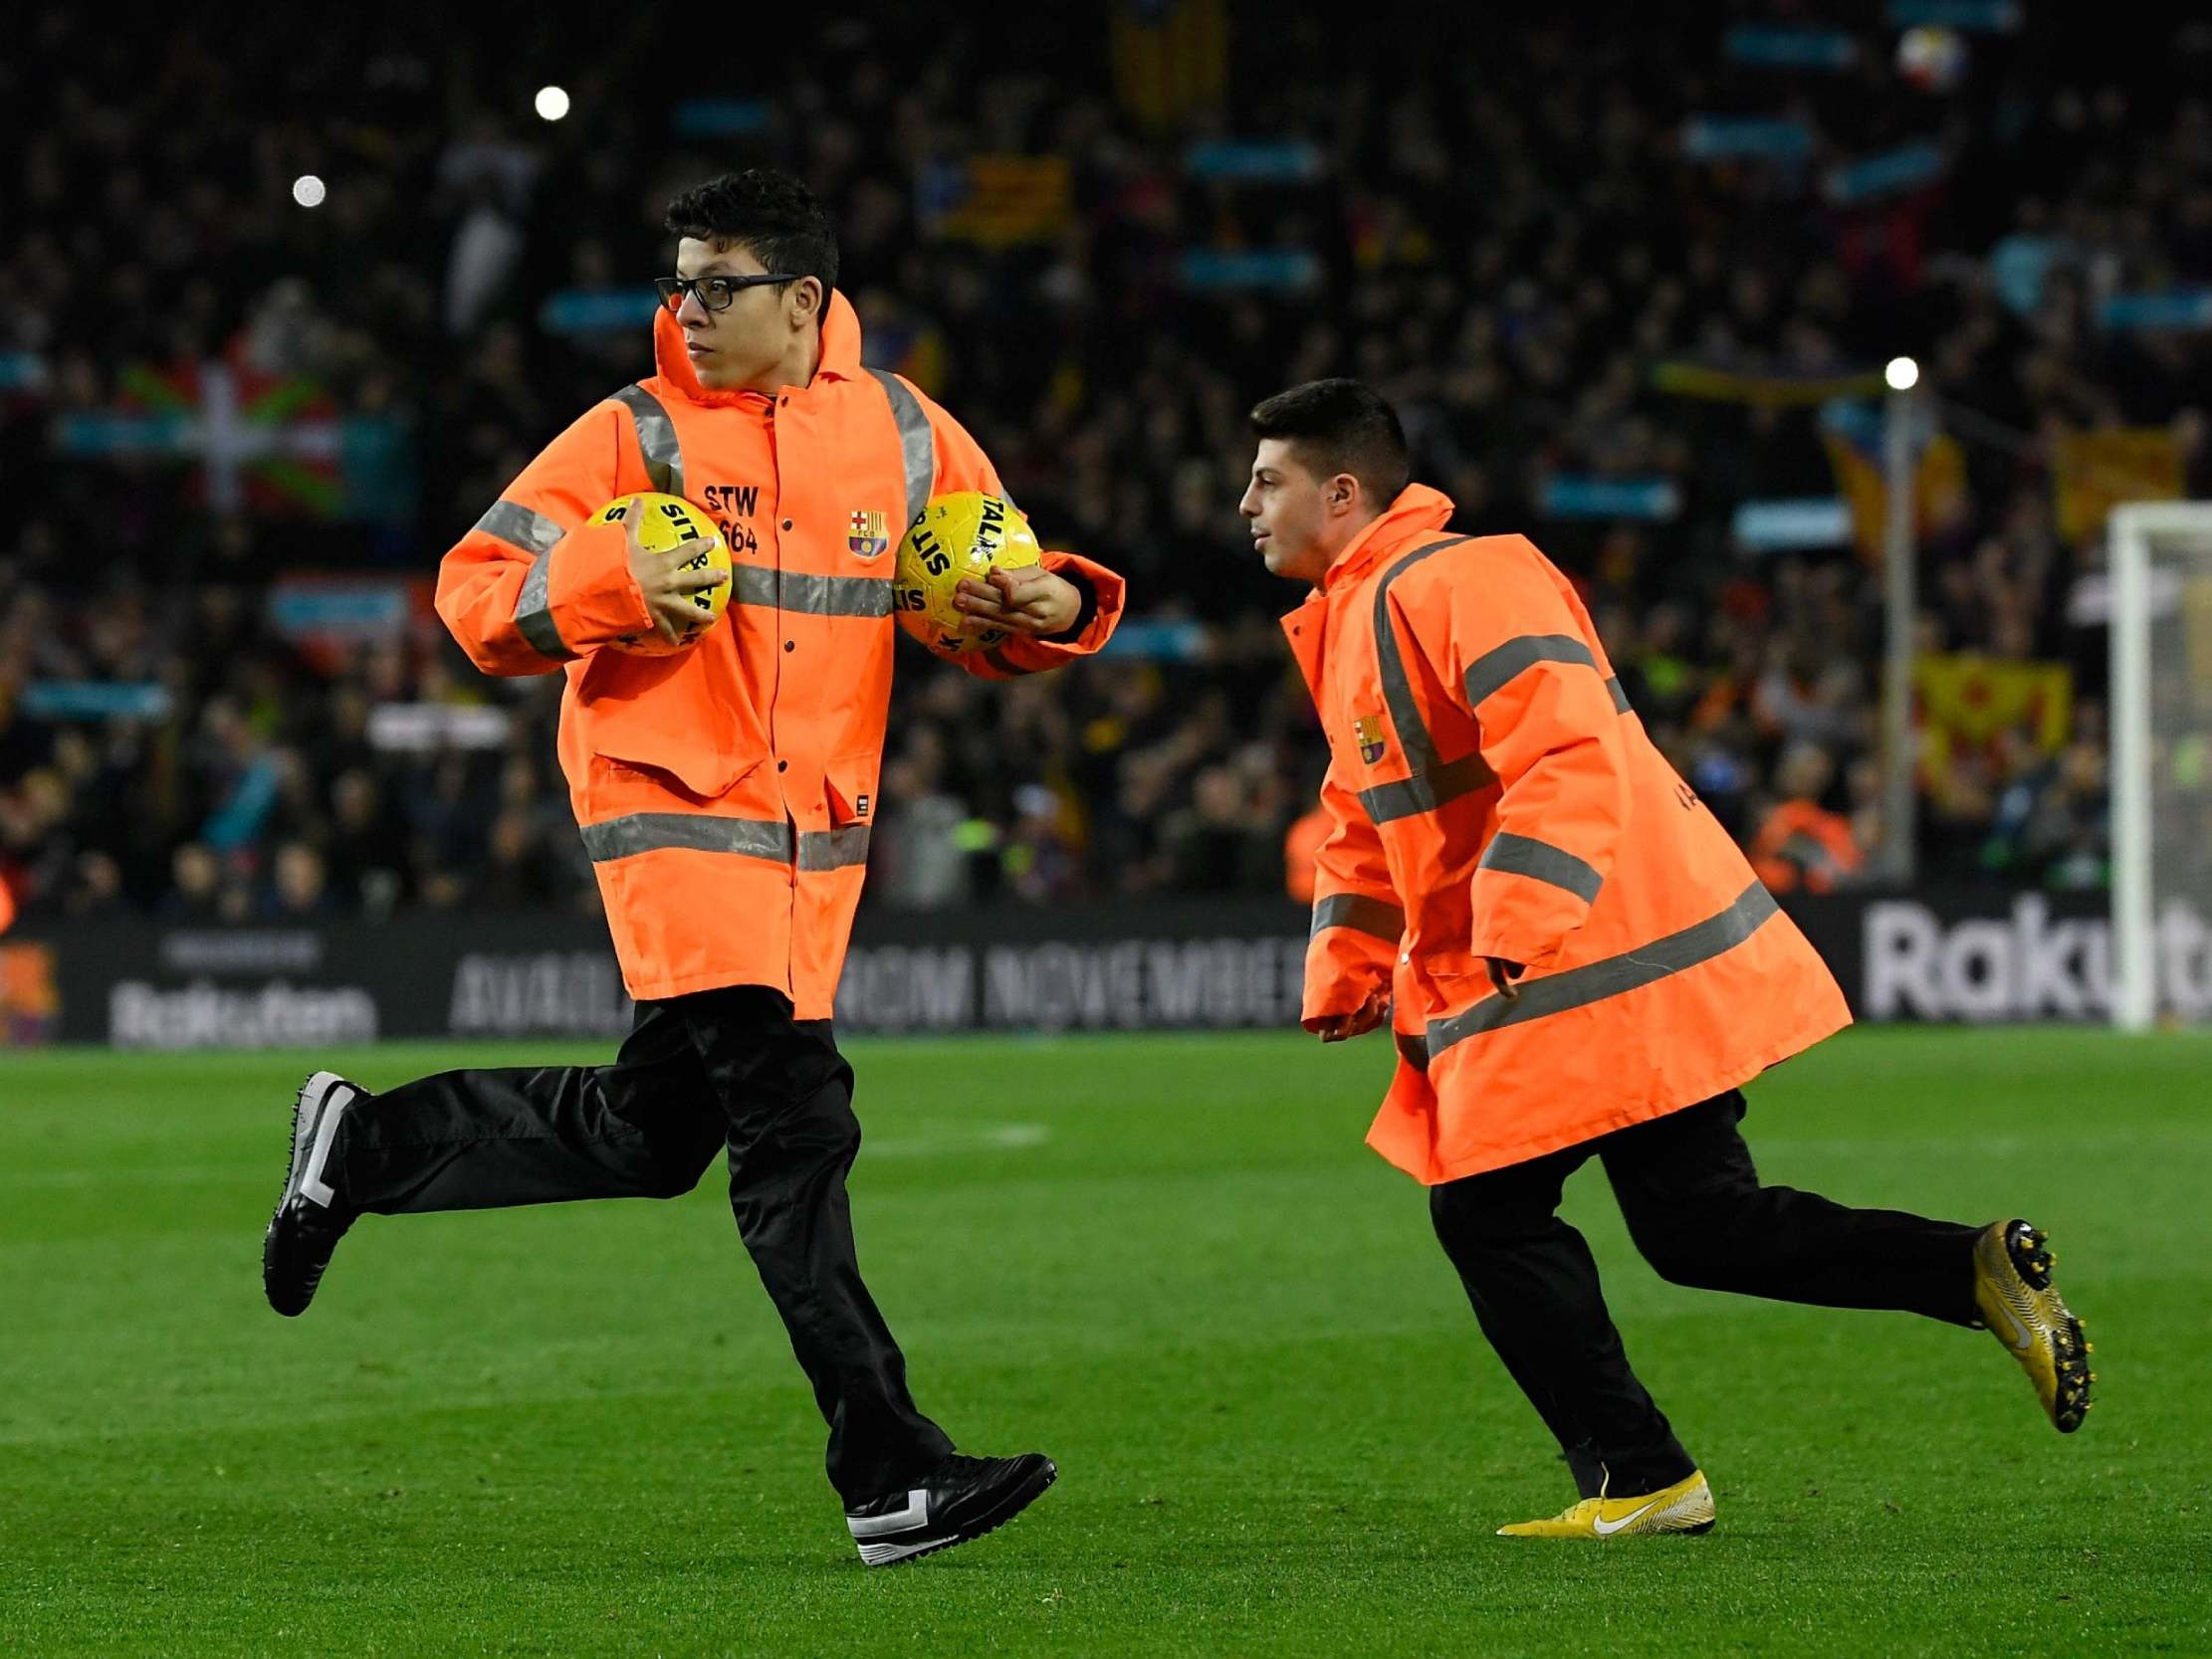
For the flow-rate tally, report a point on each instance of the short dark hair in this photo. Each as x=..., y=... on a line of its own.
x=773, y=217
x=1341, y=426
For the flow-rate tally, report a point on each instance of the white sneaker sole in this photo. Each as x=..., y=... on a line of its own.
x=883, y=1554
x=316, y=1116
x=889, y=1551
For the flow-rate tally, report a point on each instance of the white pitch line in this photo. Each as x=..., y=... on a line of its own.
x=1008, y=1137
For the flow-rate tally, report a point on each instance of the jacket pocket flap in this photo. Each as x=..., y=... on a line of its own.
x=850, y=785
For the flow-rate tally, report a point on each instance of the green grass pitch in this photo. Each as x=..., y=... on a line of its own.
x=1170, y=1263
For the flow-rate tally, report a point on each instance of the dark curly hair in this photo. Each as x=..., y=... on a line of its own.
x=770, y=215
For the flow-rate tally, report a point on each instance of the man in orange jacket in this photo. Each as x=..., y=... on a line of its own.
x=1799, y=843
x=724, y=793
x=1576, y=963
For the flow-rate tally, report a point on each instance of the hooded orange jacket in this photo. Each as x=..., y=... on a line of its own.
x=726, y=792
x=1493, y=795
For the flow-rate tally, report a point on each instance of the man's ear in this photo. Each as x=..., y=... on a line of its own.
x=810, y=299
x=1341, y=494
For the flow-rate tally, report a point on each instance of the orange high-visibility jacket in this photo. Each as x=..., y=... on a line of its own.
x=1301, y=845
x=1802, y=843
x=726, y=792
x=1496, y=796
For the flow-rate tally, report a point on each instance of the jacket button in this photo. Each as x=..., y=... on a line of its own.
x=787, y=523
x=790, y=645
x=782, y=765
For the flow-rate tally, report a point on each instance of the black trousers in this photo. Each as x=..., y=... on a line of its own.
x=717, y=1070
x=1696, y=1209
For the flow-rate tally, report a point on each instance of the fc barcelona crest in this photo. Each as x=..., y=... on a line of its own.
x=1367, y=731
x=871, y=534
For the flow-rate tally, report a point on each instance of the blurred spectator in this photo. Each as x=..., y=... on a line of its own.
x=1801, y=844
x=300, y=887
x=366, y=852
x=2060, y=817
x=1219, y=843
x=195, y=884
x=1301, y=848
x=95, y=890
x=928, y=855
x=1041, y=859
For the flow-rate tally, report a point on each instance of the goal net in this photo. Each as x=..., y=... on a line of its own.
x=2162, y=781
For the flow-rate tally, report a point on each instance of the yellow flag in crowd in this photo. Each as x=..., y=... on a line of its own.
x=2094, y=472
x=1011, y=199
x=1967, y=699
x=1171, y=59
x=1939, y=498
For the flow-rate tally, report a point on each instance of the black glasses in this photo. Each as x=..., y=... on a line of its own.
x=714, y=293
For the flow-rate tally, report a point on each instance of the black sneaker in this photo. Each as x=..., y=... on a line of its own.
x=961, y=1498
x=309, y=1220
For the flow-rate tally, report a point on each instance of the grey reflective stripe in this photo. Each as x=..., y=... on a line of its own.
x=534, y=610
x=833, y=849
x=656, y=435
x=1434, y=780
x=749, y=584
x=1494, y=669
x=1428, y=792
x=652, y=832
x=1375, y=917
x=835, y=595
x=917, y=445
x=1577, y=988
x=1398, y=691
x=531, y=533
x=518, y=527
x=1519, y=855
x=1620, y=697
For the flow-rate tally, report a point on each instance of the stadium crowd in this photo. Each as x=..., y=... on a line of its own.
x=1513, y=238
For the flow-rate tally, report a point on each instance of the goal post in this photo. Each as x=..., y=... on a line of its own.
x=2160, y=555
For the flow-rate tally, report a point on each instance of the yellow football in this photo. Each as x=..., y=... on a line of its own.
x=664, y=522
x=964, y=533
